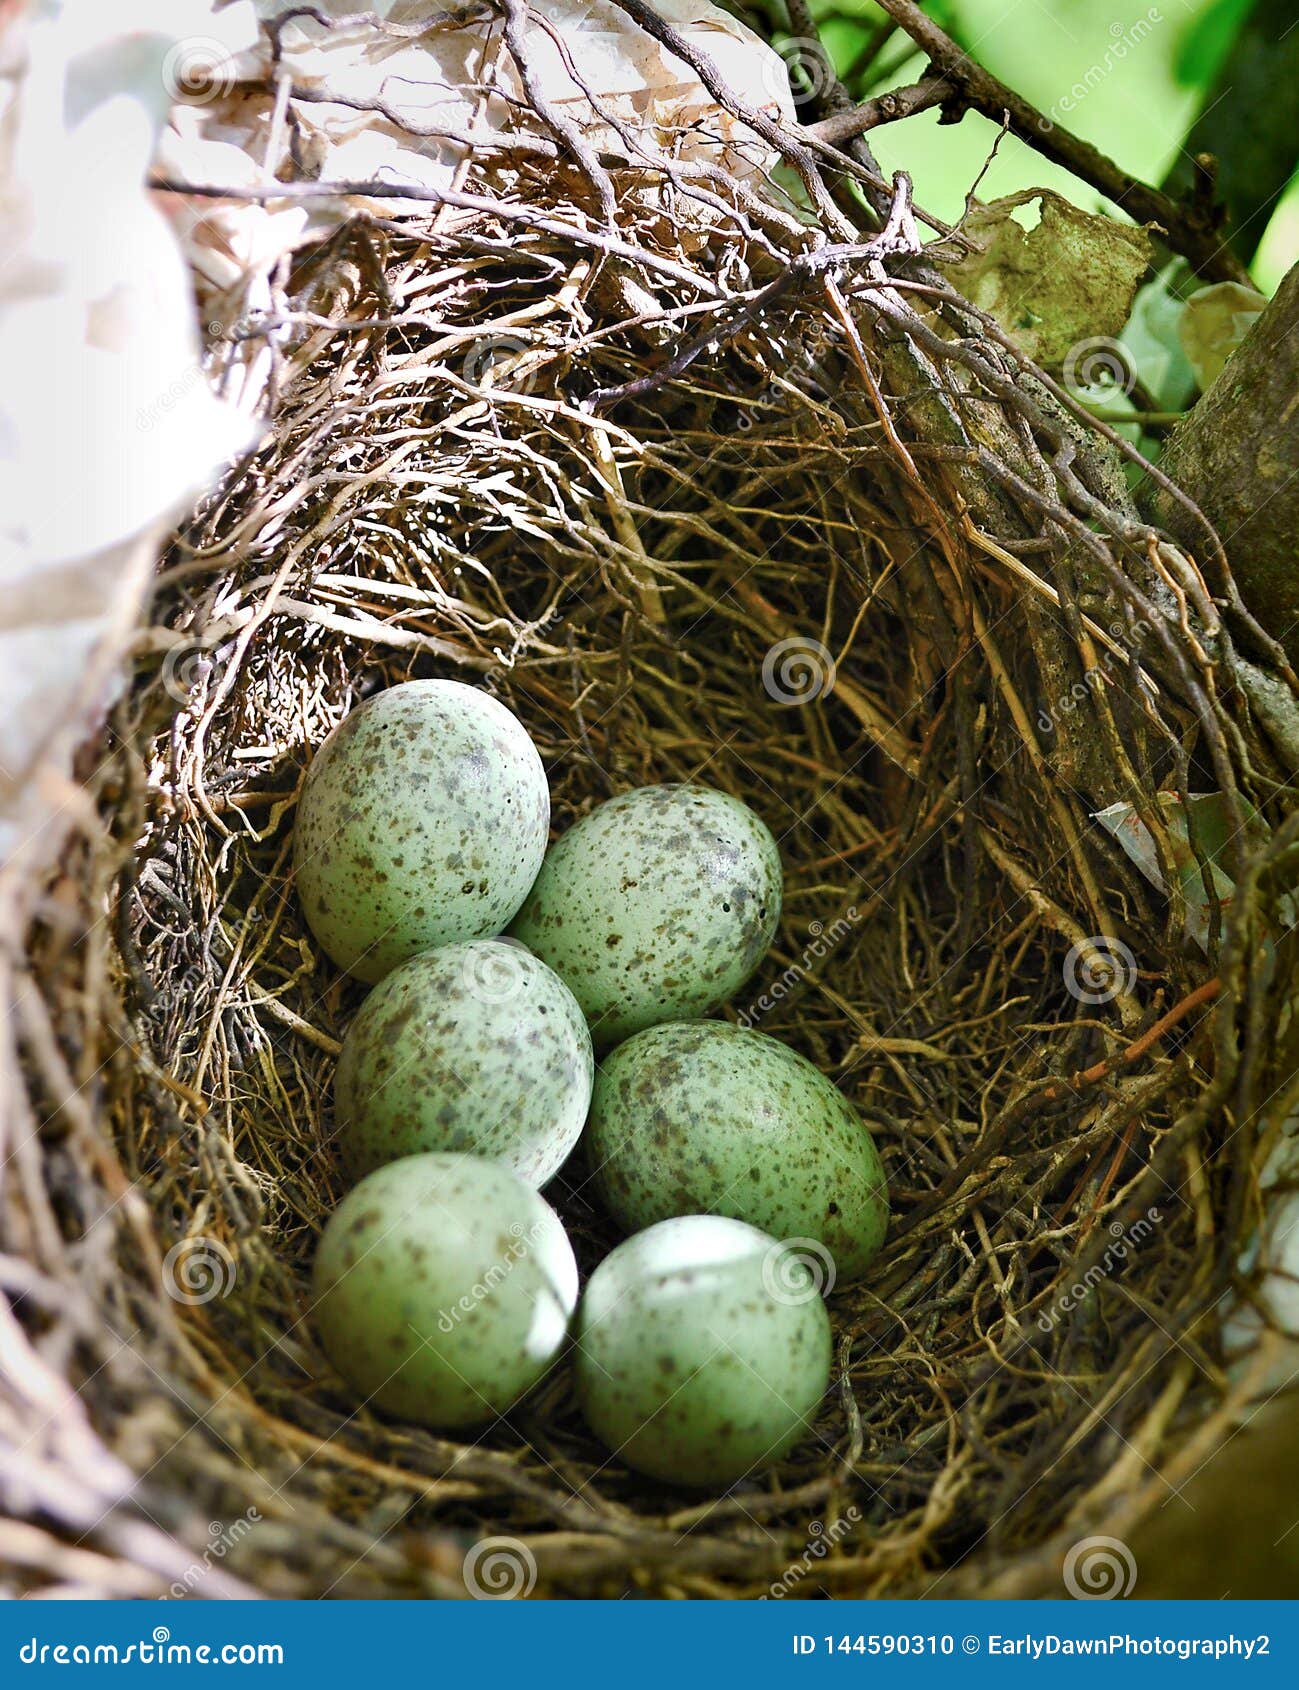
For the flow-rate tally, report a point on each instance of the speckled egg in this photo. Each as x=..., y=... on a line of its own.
x=703, y=1116
x=443, y=1288
x=477, y=1047
x=656, y=906
x=702, y=1350
x=423, y=819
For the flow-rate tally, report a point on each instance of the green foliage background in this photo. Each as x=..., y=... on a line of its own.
x=1131, y=76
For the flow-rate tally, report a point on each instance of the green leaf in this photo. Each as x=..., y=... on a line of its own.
x=1153, y=341
x=1214, y=322
x=825, y=11
x=1057, y=288
x=945, y=14
x=1214, y=830
x=1207, y=41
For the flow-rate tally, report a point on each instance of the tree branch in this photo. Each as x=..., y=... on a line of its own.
x=884, y=108
x=1192, y=230
x=1237, y=456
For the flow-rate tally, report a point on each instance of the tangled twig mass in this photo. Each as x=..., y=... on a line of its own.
x=602, y=433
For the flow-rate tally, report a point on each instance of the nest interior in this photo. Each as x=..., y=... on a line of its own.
x=850, y=559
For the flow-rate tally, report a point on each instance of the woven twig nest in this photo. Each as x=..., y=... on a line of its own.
x=819, y=539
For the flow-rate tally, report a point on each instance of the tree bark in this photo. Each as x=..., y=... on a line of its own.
x=1248, y=125
x=1237, y=456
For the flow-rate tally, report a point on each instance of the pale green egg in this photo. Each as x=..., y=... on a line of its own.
x=705, y=1117
x=474, y=1047
x=443, y=1289
x=657, y=906
x=423, y=819
x=702, y=1351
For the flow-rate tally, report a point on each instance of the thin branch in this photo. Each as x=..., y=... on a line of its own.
x=1190, y=230
x=1137, y=1049
x=884, y=108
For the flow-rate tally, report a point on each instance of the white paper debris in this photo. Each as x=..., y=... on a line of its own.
x=449, y=82
x=107, y=425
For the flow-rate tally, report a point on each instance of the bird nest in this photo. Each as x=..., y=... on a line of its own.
x=723, y=493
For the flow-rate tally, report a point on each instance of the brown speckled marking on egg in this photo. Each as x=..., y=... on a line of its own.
x=657, y=906
x=443, y=1288
x=476, y=1047
x=704, y=1117
x=700, y=1353
x=423, y=819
